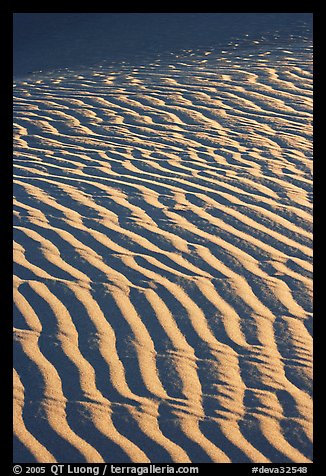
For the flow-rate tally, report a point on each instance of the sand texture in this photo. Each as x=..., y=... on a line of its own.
x=162, y=249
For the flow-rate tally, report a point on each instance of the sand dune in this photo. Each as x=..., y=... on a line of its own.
x=163, y=260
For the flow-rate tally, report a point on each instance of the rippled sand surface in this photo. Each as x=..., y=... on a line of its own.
x=162, y=254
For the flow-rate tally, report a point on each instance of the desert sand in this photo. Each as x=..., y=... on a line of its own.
x=162, y=249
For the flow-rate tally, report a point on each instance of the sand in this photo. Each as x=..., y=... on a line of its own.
x=162, y=249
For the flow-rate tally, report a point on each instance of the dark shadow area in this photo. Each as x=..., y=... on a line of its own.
x=127, y=425
x=21, y=453
x=80, y=421
x=292, y=356
x=212, y=431
x=295, y=435
x=59, y=40
x=171, y=428
x=250, y=428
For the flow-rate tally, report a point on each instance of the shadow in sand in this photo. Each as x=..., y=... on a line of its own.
x=295, y=435
x=212, y=431
x=250, y=428
x=128, y=426
x=21, y=454
x=80, y=421
x=172, y=429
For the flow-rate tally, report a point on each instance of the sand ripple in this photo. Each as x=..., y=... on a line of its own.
x=163, y=261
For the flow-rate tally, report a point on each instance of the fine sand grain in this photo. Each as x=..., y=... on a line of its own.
x=163, y=260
